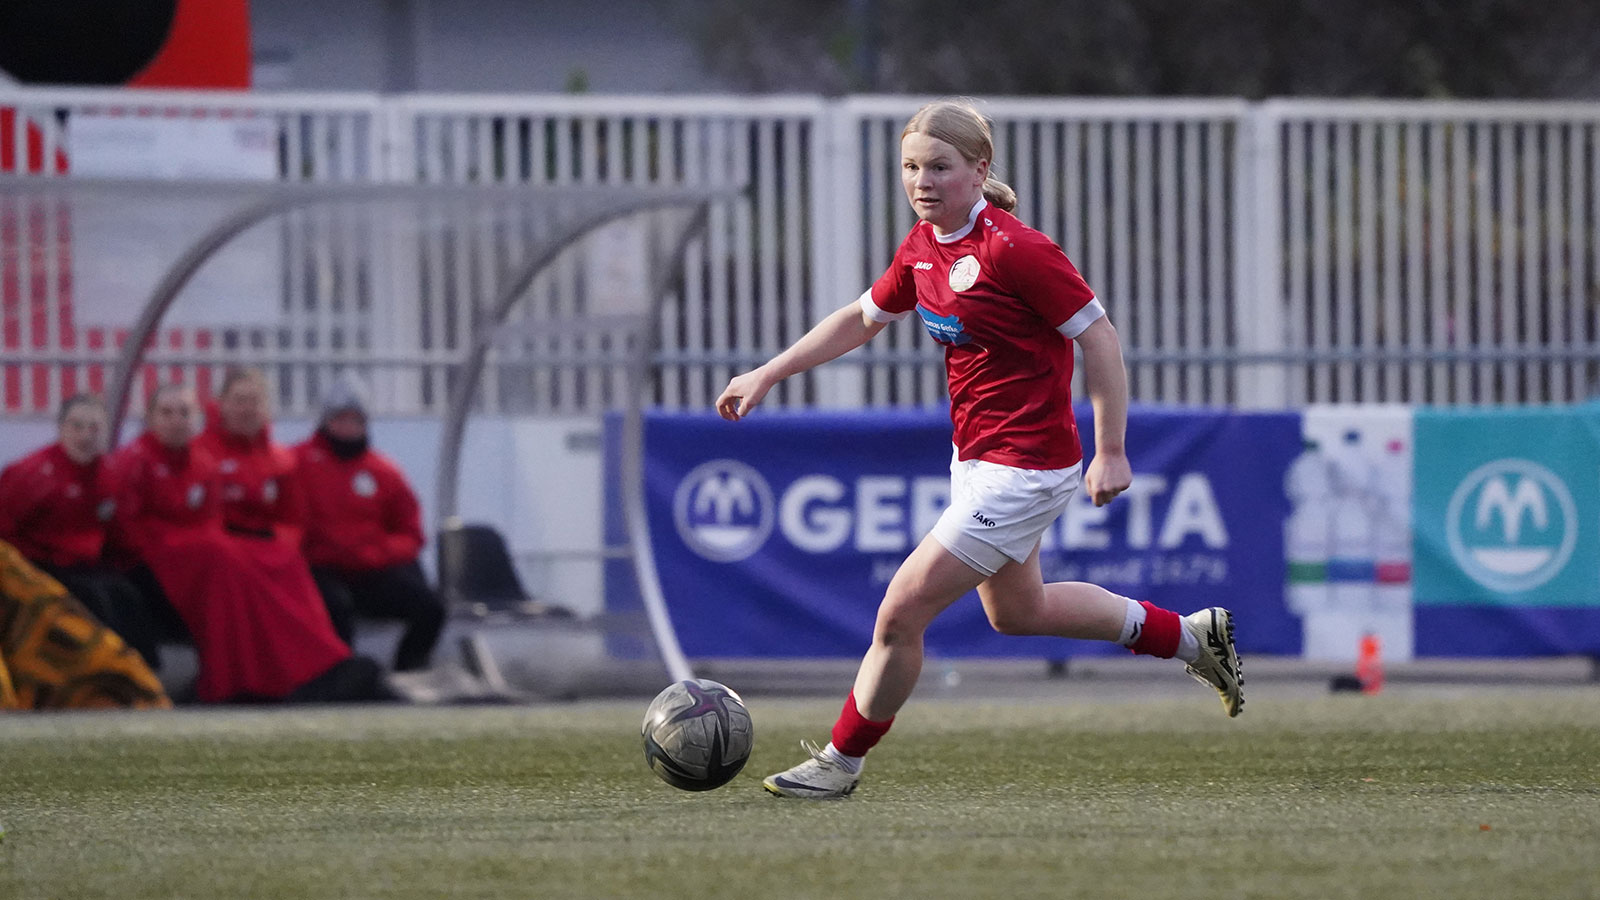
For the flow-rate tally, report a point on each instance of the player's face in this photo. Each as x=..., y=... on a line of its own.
x=941, y=184
x=172, y=418
x=83, y=432
x=347, y=425
x=244, y=407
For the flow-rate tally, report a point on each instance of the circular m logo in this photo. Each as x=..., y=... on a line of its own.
x=1511, y=525
x=723, y=510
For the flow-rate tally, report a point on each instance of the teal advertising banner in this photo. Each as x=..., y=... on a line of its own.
x=1507, y=527
x=1507, y=507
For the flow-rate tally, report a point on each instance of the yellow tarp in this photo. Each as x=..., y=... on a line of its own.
x=55, y=655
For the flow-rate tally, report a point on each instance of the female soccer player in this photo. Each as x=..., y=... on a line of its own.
x=1005, y=302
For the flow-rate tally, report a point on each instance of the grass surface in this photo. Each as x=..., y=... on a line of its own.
x=1327, y=798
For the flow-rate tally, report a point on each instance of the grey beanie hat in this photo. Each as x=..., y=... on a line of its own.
x=343, y=395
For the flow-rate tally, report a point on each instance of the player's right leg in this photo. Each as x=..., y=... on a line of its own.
x=926, y=584
x=1017, y=604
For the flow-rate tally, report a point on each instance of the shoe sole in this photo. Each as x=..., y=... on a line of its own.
x=780, y=792
x=1231, y=659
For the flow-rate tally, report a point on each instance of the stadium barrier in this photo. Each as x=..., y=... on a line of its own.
x=1443, y=532
x=776, y=536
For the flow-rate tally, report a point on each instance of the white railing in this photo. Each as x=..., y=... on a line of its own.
x=1436, y=253
x=748, y=288
x=51, y=352
x=1256, y=254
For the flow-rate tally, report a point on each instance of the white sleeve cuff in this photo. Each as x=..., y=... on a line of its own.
x=878, y=315
x=1083, y=319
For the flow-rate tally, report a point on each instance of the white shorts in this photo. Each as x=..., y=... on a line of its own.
x=998, y=513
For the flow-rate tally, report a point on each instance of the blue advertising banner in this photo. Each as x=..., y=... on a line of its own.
x=775, y=536
x=1506, y=543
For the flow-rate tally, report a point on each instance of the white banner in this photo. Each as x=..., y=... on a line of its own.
x=120, y=254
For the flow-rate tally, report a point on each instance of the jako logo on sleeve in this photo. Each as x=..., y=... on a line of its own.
x=1511, y=525
x=723, y=510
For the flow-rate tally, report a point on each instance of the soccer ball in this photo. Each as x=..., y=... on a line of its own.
x=697, y=735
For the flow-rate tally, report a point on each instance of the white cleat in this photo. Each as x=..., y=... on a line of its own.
x=819, y=778
x=1218, y=664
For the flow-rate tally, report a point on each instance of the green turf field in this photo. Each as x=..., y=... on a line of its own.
x=1326, y=797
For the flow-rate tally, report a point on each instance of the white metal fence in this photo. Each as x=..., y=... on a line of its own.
x=1435, y=253
x=1255, y=254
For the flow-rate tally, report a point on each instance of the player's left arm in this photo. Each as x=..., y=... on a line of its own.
x=1105, y=376
x=1037, y=271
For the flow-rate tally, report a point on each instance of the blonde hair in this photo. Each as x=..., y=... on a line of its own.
x=957, y=122
x=237, y=374
x=162, y=390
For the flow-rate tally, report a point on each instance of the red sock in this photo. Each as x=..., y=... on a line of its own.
x=1159, y=636
x=855, y=734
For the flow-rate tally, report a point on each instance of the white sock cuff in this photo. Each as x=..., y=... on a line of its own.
x=851, y=764
x=1188, y=644
x=1132, y=622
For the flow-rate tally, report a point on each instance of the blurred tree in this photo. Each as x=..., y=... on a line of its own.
x=1251, y=48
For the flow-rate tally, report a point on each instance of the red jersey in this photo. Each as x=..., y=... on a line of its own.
x=361, y=514
x=53, y=510
x=162, y=494
x=1006, y=303
x=259, y=493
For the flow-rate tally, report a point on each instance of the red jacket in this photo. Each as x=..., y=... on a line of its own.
x=54, y=510
x=360, y=513
x=259, y=626
x=259, y=493
x=162, y=494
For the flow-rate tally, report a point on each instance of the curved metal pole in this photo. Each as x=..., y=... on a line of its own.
x=633, y=501
x=456, y=412
x=447, y=475
x=166, y=291
x=282, y=199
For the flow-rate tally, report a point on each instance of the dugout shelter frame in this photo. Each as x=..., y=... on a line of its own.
x=576, y=213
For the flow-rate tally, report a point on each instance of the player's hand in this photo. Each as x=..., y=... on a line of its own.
x=743, y=394
x=1109, y=475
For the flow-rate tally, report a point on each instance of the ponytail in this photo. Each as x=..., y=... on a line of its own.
x=999, y=193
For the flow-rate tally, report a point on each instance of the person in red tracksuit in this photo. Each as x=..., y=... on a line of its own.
x=259, y=496
x=258, y=625
x=54, y=510
x=364, y=530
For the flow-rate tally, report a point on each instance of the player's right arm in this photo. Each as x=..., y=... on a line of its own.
x=843, y=330
x=24, y=491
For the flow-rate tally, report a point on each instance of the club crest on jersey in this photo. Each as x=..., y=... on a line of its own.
x=963, y=273
x=364, y=485
x=945, y=329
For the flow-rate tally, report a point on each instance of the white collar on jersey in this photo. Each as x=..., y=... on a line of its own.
x=959, y=233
